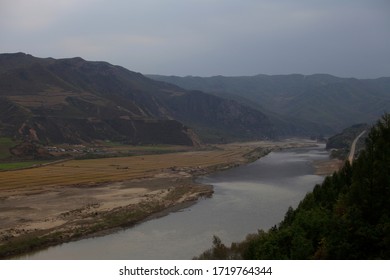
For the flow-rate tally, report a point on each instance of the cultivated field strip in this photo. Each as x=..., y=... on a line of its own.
x=92, y=171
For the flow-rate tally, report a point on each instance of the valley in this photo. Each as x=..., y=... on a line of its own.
x=88, y=148
x=73, y=199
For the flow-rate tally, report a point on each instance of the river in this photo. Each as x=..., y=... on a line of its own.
x=246, y=199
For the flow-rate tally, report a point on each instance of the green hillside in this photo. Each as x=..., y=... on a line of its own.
x=5, y=145
x=346, y=217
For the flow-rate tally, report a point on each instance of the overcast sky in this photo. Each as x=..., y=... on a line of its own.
x=347, y=38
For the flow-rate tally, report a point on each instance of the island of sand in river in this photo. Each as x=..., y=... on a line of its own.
x=66, y=201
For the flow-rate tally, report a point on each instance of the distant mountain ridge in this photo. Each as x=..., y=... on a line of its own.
x=333, y=102
x=73, y=100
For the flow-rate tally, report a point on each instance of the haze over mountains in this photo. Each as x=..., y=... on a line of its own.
x=74, y=101
x=322, y=101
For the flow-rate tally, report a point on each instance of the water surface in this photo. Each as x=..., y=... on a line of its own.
x=246, y=199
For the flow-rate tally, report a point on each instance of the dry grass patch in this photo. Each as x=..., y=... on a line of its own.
x=113, y=169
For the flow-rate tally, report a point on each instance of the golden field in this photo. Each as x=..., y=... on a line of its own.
x=63, y=201
x=93, y=171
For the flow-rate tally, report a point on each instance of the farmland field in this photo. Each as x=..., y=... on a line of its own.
x=102, y=170
x=62, y=201
x=22, y=164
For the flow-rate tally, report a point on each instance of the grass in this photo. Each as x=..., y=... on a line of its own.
x=116, y=149
x=92, y=171
x=147, y=149
x=5, y=144
x=27, y=244
x=19, y=165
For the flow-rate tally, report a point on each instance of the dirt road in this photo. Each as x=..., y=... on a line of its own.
x=353, y=147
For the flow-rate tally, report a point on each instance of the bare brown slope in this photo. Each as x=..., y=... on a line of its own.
x=73, y=100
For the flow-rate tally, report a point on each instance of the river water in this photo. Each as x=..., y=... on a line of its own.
x=247, y=198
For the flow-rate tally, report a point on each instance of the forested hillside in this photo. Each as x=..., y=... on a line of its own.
x=346, y=217
x=340, y=144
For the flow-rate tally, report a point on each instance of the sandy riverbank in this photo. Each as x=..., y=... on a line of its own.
x=35, y=215
x=327, y=167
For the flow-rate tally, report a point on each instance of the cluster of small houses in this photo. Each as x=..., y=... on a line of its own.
x=72, y=149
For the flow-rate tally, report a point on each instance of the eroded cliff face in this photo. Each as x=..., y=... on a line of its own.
x=73, y=101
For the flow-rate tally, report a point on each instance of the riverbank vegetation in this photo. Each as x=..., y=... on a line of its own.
x=346, y=217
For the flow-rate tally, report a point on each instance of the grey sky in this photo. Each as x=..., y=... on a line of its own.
x=348, y=38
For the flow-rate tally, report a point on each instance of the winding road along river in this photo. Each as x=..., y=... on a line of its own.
x=246, y=198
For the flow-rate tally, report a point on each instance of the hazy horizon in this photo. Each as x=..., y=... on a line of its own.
x=210, y=76
x=207, y=38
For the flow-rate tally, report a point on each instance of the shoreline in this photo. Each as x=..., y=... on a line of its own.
x=154, y=204
x=172, y=189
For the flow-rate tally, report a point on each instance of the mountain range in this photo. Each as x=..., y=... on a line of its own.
x=74, y=101
x=318, y=101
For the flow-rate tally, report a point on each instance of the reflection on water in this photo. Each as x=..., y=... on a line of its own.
x=246, y=198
